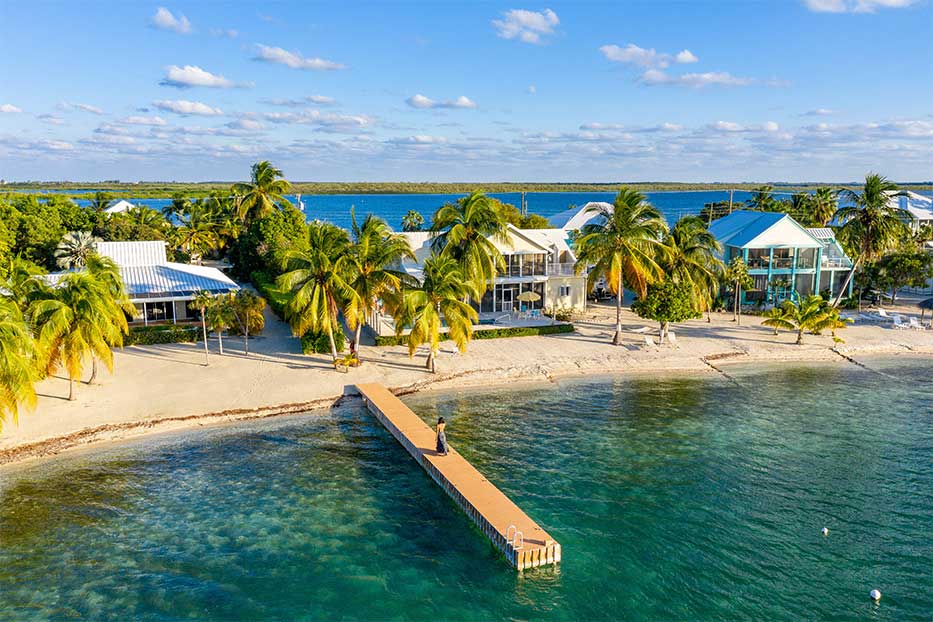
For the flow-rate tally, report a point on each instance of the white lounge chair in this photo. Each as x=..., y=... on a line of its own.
x=642, y=330
x=916, y=325
x=898, y=323
x=885, y=317
x=649, y=342
x=672, y=338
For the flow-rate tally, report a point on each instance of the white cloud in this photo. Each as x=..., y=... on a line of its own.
x=631, y=54
x=601, y=126
x=419, y=139
x=526, y=26
x=140, y=120
x=192, y=75
x=294, y=60
x=855, y=6
x=819, y=112
x=727, y=126
x=68, y=106
x=248, y=125
x=770, y=126
x=420, y=101
x=224, y=33
x=532, y=89
x=326, y=122
x=654, y=77
x=9, y=109
x=51, y=119
x=185, y=107
x=317, y=100
x=164, y=19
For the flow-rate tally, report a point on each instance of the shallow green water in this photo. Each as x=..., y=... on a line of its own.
x=689, y=499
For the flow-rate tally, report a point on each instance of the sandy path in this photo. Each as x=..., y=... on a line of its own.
x=160, y=388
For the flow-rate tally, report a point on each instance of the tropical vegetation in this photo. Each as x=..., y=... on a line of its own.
x=812, y=314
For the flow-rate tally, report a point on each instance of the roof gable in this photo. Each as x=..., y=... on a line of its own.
x=750, y=229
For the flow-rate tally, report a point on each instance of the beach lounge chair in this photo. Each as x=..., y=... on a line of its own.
x=649, y=342
x=916, y=325
x=642, y=330
x=672, y=338
x=885, y=317
x=898, y=323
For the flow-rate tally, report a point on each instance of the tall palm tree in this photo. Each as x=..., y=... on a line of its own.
x=412, y=221
x=23, y=282
x=145, y=217
x=177, y=208
x=623, y=246
x=316, y=282
x=196, y=240
x=246, y=309
x=737, y=274
x=438, y=299
x=260, y=196
x=800, y=206
x=79, y=320
x=811, y=314
x=203, y=301
x=692, y=257
x=72, y=252
x=467, y=231
x=823, y=206
x=870, y=225
x=219, y=318
x=762, y=199
x=107, y=273
x=375, y=252
x=18, y=371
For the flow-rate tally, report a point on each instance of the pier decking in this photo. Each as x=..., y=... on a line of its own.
x=521, y=540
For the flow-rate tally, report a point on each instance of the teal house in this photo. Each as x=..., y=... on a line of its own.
x=785, y=259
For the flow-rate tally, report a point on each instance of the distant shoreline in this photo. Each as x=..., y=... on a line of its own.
x=156, y=190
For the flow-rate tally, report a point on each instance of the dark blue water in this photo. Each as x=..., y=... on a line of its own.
x=674, y=499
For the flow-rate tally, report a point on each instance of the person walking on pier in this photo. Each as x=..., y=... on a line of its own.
x=441, y=436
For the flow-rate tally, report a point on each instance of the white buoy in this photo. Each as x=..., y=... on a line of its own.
x=875, y=595
x=824, y=531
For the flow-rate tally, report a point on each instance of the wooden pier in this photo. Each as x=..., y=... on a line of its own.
x=521, y=540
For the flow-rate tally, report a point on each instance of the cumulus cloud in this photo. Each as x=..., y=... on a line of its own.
x=526, y=26
x=185, y=107
x=247, y=125
x=595, y=126
x=140, y=120
x=165, y=20
x=269, y=54
x=855, y=6
x=10, y=109
x=420, y=101
x=325, y=122
x=726, y=126
x=192, y=75
x=631, y=54
x=317, y=100
x=532, y=89
x=654, y=77
x=419, y=139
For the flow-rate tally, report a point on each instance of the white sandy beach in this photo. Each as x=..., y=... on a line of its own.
x=168, y=387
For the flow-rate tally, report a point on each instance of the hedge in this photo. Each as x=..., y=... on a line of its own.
x=265, y=284
x=493, y=333
x=319, y=343
x=150, y=335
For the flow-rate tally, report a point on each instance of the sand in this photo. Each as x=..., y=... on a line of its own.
x=168, y=387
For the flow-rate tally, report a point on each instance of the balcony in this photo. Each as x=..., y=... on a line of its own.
x=835, y=262
x=561, y=269
x=522, y=271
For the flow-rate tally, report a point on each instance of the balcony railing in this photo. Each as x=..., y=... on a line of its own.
x=835, y=262
x=518, y=271
x=561, y=269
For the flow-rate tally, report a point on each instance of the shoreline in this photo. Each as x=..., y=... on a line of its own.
x=88, y=437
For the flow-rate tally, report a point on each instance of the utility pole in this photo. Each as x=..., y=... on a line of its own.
x=524, y=205
x=730, y=199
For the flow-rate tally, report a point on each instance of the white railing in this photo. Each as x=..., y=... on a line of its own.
x=561, y=269
x=835, y=262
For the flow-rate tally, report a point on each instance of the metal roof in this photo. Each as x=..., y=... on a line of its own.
x=173, y=279
x=147, y=253
x=822, y=233
x=743, y=228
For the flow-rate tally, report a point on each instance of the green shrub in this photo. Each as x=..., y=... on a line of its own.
x=492, y=333
x=150, y=335
x=317, y=342
x=265, y=285
x=561, y=314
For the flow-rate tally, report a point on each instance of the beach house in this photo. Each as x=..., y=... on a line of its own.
x=918, y=207
x=785, y=259
x=160, y=289
x=536, y=260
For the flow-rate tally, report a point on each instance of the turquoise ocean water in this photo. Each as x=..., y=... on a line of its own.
x=674, y=499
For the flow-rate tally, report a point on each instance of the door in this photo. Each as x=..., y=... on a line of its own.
x=507, y=299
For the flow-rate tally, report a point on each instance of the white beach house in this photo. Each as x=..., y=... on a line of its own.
x=536, y=260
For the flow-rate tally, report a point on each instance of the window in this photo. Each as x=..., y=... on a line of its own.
x=563, y=290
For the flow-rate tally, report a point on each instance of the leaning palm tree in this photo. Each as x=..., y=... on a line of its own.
x=260, y=196
x=823, y=206
x=316, y=284
x=18, y=371
x=72, y=252
x=23, y=282
x=203, y=300
x=870, y=224
x=737, y=274
x=812, y=314
x=246, y=309
x=623, y=246
x=373, y=258
x=467, y=231
x=439, y=299
x=79, y=320
x=692, y=257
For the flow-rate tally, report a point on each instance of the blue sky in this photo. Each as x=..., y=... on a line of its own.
x=481, y=91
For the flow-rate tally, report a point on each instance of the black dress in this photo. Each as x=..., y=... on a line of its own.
x=441, y=442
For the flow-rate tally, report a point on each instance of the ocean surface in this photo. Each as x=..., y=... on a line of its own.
x=674, y=499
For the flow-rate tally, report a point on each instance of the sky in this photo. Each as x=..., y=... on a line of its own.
x=650, y=90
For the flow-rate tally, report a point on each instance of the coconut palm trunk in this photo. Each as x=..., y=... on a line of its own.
x=617, y=339
x=71, y=389
x=736, y=309
x=845, y=283
x=204, y=338
x=220, y=339
x=356, y=339
x=246, y=337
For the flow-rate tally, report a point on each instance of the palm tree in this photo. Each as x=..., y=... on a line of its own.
x=737, y=274
x=438, y=299
x=143, y=216
x=467, y=231
x=219, y=318
x=870, y=226
x=812, y=315
x=107, y=273
x=23, y=282
x=17, y=362
x=79, y=320
x=800, y=206
x=412, y=221
x=196, y=240
x=101, y=201
x=775, y=318
x=246, y=308
x=262, y=194
x=203, y=301
x=375, y=252
x=762, y=199
x=823, y=206
x=692, y=257
x=316, y=282
x=72, y=252
x=624, y=247
x=177, y=208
